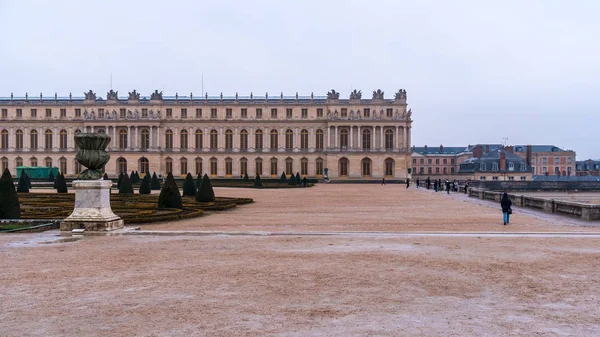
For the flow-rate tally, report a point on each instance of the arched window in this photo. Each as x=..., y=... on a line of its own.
x=244, y=140
x=213, y=166
x=62, y=165
x=145, y=140
x=183, y=140
x=122, y=139
x=344, y=139
x=168, y=165
x=198, y=143
x=19, y=162
x=33, y=139
x=319, y=167
x=274, y=139
x=258, y=140
x=169, y=141
x=343, y=167
x=319, y=140
x=19, y=140
x=48, y=140
x=4, y=164
x=48, y=162
x=198, y=165
x=304, y=139
x=389, y=139
x=33, y=162
x=228, y=139
x=258, y=169
x=389, y=167
x=289, y=166
x=214, y=142
x=273, y=167
x=366, y=167
x=183, y=166
x=304, y=167
x=243, y=166
x=366, y=139
x=121, y=165
x=77, y=166
x=144, y=165
x=62, y=139
x=228, y=167
x=289, y=139
x=4, y=140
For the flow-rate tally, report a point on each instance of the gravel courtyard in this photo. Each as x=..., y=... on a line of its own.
x=333, y=260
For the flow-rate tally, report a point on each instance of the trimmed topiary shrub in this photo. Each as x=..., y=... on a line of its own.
x=23, y=186
x=298, y=180
x=258, y=182
x=145, y=185
x=119, y=180
x=51, y=176
x=198, y=181
x=283, y=178
x=189, y=186
x=169, y=194
x=61, y=184
x=105, y=177
x=132, y=178
x=154, y=182
x=205, y=192
x=9, y=200
x=125, y=187
x=27, y=178
x=137, y=177
x=246, y=178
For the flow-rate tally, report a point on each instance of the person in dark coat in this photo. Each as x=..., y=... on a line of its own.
x=435, y=185
x=417, y=182
x=383, y=181
x=304, y=182
x=505, y=203
x=466, y=187
x=428, y=182
x=407, y=182
x=447, y=187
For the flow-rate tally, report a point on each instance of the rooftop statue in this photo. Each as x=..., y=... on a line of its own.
x=356, y=94
x=333, y=94
x=134, y=95
x=401, y=94
x=156, y=95
x=112, y=95
x=90, y=95
x=378, y=94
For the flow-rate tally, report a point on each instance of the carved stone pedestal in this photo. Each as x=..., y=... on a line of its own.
x=92, y=208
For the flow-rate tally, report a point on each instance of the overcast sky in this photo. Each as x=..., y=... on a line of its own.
x=475, y=71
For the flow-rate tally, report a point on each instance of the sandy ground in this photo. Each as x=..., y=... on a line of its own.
x=358, y=284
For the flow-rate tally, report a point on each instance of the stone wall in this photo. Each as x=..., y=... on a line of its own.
x=537, y=185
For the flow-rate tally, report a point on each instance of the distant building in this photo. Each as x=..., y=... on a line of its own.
x=587, y=168
x=546, y=159
x=445, y=161
x=498, y=164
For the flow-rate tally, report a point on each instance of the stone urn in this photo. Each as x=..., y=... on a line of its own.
x=92, y=211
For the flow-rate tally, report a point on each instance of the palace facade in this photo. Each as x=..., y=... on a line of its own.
x=352, y=138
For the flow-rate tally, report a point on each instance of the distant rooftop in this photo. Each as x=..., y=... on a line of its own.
x=436, y=150
x=538, y=148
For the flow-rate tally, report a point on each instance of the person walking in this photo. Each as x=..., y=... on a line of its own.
x=383, y=181
x=447, y=186
x=417, y=182
x=407, y=182
x=506, y=209
x=435, y=185
x=428, y=182
x=466, y=187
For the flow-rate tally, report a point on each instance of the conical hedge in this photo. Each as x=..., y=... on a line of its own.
x=9, y=200
x=258, y=182
x=205, y=192
x=292, y=181
x=145, y=185
x=283, y=178
x=189, y=186
x=23, y=186
x=133, y=178
x=105, y=177
x=125, y=187
x=154, y=182
x=246, y=178
x=61, y=184
x=198, y=181
x=137, y=177
x=169, y=194
x=51, y=176
x=298, y=180
x=28, y=178
x=120, y=179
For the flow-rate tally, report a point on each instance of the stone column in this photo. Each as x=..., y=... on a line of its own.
x=236, y=140
x=221, y=145
x=92, y=129
x=55, y=138
x=136, y=138
x=176, y=141
x=404, y=135
x=151, y=139
x=382, y=136
x=336, y=137
x=351, y=145
x=128, y=137
x=373, y=144
x=311, y=139
x=115, y=140
x=158, y=138
x=296, y=138
x=359, y=138
x=250, y=144
x=328, y=137
x=396, y=135
x=205, y=141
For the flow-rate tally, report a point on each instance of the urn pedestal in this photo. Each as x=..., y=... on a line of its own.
x=92, y=208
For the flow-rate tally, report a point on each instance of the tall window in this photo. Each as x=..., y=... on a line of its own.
x=304, y=167
x=198, y=162
x=244, y=113
x=63, y=113
x=48, y=140
x=389, y=167
x=34, y=139
x=169, y=165
x=48, y=162
x=366, y=167
x=274, y=113
x=319, y=167
x=289, y=166
x=389, y=139
x=319, y=140
x=33, y=162
x=228, y=167
x=258, y=113
x=20, y=113
x=244, y=140
x=183, y=166
x=123, y=139
x=214, y=140
x=289, y=139
x=144, y=165
x=19, y=162
x=19, y=140
x=213, y=114
x=122, y=165
x=228, y=139
x=243, y=166
x=62, y=139
x=258, y=166
x=319, y=112
x=184, y=113
x=258, y=140
x=198, y=143
x=228, y=113
x=213, y=167
x=274, y=139
x=4, y=164
x=304, y=139
x=78, y=167
x=183, y=140
x=366, y=139
x=145, y=140
x=343, y=167
x=198, y=113
x=344, y=139
x=169, y=141
x=304, y=113
x=34, y=113
x=367, y=112
x=4, y=140
x=389, y=112
x=273, y=167
x=288, y=113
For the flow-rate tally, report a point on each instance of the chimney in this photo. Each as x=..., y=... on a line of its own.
x=502, y=161
x=509, y=149
x=478, y=151
x=529, y=154
x=487, y=149
x=441, y=148
x=425, y=148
